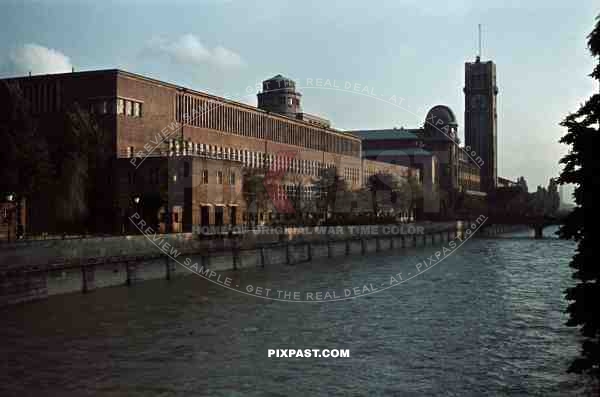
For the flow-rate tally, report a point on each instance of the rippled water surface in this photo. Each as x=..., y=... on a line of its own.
x=489, y=320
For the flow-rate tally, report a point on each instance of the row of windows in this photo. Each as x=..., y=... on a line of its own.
x=250, y=158
x=154, y=176
x=203, y=113
x=352, y=174
x=219, y=175
x=43, y=97
x=117, y=106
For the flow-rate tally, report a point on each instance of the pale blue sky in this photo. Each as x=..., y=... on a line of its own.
x=401, y=47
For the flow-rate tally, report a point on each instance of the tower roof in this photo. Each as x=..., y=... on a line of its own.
x=440, y=116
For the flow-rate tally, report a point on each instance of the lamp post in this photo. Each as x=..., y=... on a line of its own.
x=136, y=199
x=7, y=214
x=167, y=218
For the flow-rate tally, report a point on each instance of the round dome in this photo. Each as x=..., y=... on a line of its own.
x=278, y=82
x=440, y=116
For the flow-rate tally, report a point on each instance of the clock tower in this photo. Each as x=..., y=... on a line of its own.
x=481, y=119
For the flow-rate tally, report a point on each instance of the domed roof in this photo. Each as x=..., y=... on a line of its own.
x=440, y=116
x=279, y=77
x=279, y=83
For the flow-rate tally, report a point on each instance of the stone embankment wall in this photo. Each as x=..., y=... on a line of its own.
x=35, y=271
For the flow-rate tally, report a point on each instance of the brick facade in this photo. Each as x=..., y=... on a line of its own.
x=155, y=128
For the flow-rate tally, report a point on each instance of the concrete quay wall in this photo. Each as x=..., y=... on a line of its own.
x=23, y=282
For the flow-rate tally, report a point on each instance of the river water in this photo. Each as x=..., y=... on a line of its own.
x=488, y=320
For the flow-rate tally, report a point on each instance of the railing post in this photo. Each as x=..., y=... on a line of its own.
x=236, y=254
x=168, y=267
x=131, y=271
x=87, y=276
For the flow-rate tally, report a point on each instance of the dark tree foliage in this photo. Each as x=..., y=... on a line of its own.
x=329, y=185
x=62, y=172
x=84, y=161
x=25, y=167
x=581, y=167
x=545, y=201
x=255, y=195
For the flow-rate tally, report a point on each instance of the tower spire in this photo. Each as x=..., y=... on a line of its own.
x=479, y=52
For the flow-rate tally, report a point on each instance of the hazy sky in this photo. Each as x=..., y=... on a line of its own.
x=413, y=50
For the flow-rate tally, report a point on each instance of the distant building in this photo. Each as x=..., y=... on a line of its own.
x=503, y=182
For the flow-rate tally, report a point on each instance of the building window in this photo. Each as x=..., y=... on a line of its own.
x=137, y=109
x=128, y=108
x=100, y=107
x=218, y=216
x=219, y=177
x=232, y=178
x=186, y=169
x=120, y=106
x=205, y=176
x=233, y=216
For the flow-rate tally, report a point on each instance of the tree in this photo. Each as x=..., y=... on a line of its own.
x=297, y=196
x=553, y=198
x=581, y=167
x=416, y=192
x=82, y=161
x=545, y=201
x=328, y=185
x=25, y=167
x=384, y=188
x=522, y=183
x=255, y=195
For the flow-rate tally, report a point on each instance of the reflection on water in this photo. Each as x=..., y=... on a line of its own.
x=489, y=320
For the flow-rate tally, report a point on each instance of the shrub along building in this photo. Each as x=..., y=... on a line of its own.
x=179, y=156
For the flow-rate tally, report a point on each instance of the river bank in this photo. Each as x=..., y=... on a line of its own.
x=31, y=273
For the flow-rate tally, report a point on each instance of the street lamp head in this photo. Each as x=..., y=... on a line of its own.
x=136, y=199
x=10, y=197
